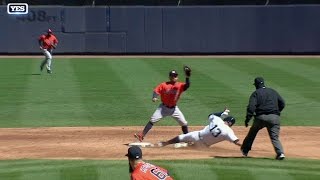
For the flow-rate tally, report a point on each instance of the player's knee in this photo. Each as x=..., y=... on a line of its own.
x=187, y=137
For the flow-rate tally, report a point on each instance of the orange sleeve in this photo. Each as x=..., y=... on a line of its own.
x=158, y=89
x=55, y=40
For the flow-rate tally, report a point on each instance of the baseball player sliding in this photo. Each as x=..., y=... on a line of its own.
x=169, y=92
x=47, y=43
x=219, y=129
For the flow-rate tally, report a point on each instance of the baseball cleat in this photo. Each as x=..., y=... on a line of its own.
x=280, y=156
x=138, y=136
x=49, y=71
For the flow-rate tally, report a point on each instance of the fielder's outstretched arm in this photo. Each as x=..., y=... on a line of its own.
x=187, y=85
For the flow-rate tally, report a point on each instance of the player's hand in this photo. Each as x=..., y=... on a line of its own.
x=154, y=99
x=225, y=112
x=236, y=142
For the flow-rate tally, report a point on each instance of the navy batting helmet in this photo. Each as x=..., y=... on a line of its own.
x=231, y=120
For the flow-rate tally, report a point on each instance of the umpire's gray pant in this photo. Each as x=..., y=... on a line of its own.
x=272, y=122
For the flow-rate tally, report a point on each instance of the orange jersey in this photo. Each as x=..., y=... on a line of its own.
x=48, y=41
x=147, y=171
x=170, y=93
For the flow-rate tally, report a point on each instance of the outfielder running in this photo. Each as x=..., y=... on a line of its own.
x=170, y=92
x=47, y=43
x=219, y=129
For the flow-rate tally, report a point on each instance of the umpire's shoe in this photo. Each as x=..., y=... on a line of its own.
x=244, y=153
x=280, y=156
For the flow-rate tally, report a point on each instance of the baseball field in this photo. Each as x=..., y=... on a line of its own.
x=75, y=123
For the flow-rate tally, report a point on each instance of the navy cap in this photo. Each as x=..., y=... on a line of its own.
x=134, y=152
x=173, y=73
x=258, y=80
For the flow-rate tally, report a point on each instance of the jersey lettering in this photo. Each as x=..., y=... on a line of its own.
x=158, y=173
x=215, y=130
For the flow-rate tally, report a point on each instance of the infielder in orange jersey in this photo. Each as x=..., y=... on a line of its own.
x=141, y=170
x=47, y=43
x=169, y=92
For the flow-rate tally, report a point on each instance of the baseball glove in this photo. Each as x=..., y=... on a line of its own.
x=187, y=70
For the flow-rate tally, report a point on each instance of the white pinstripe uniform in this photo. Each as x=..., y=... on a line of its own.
x=213, y=133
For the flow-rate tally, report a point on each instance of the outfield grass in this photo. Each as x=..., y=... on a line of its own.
x=113, y=92
x=213, y=169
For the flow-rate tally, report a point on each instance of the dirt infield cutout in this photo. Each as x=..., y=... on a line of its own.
x=109, y=143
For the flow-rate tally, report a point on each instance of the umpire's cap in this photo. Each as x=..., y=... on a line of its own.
x=230, y=120
x=173, y=73
x=134, y=152
x=258, y=80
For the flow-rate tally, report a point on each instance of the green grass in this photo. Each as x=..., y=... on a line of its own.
x=214, y=169
x=112, y=92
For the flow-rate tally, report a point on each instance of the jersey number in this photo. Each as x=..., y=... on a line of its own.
x=158, y=173
x=215, y=131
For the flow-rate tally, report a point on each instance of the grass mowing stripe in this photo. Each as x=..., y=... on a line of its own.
x=297, y=67
x=301, y=80
x=107, y=96
x=132, y=73
x=238, y=174
x=48, y=165
x=52, y=175
x=199, y=171
x=14, y=75
x=53, y=99
x=312, y=62
x=263, y=174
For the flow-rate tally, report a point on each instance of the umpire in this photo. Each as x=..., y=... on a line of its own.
x=265, y=104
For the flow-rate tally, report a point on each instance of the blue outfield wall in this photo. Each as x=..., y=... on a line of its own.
x=184, y=29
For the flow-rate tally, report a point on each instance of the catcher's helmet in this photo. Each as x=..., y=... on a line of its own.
x=230, y=120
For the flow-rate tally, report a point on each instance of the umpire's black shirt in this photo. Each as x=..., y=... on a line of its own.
x=264, y=101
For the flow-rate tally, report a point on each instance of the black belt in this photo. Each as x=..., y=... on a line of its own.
x=170, y=107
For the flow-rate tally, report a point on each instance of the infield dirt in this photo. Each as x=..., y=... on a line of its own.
x=110, y=143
